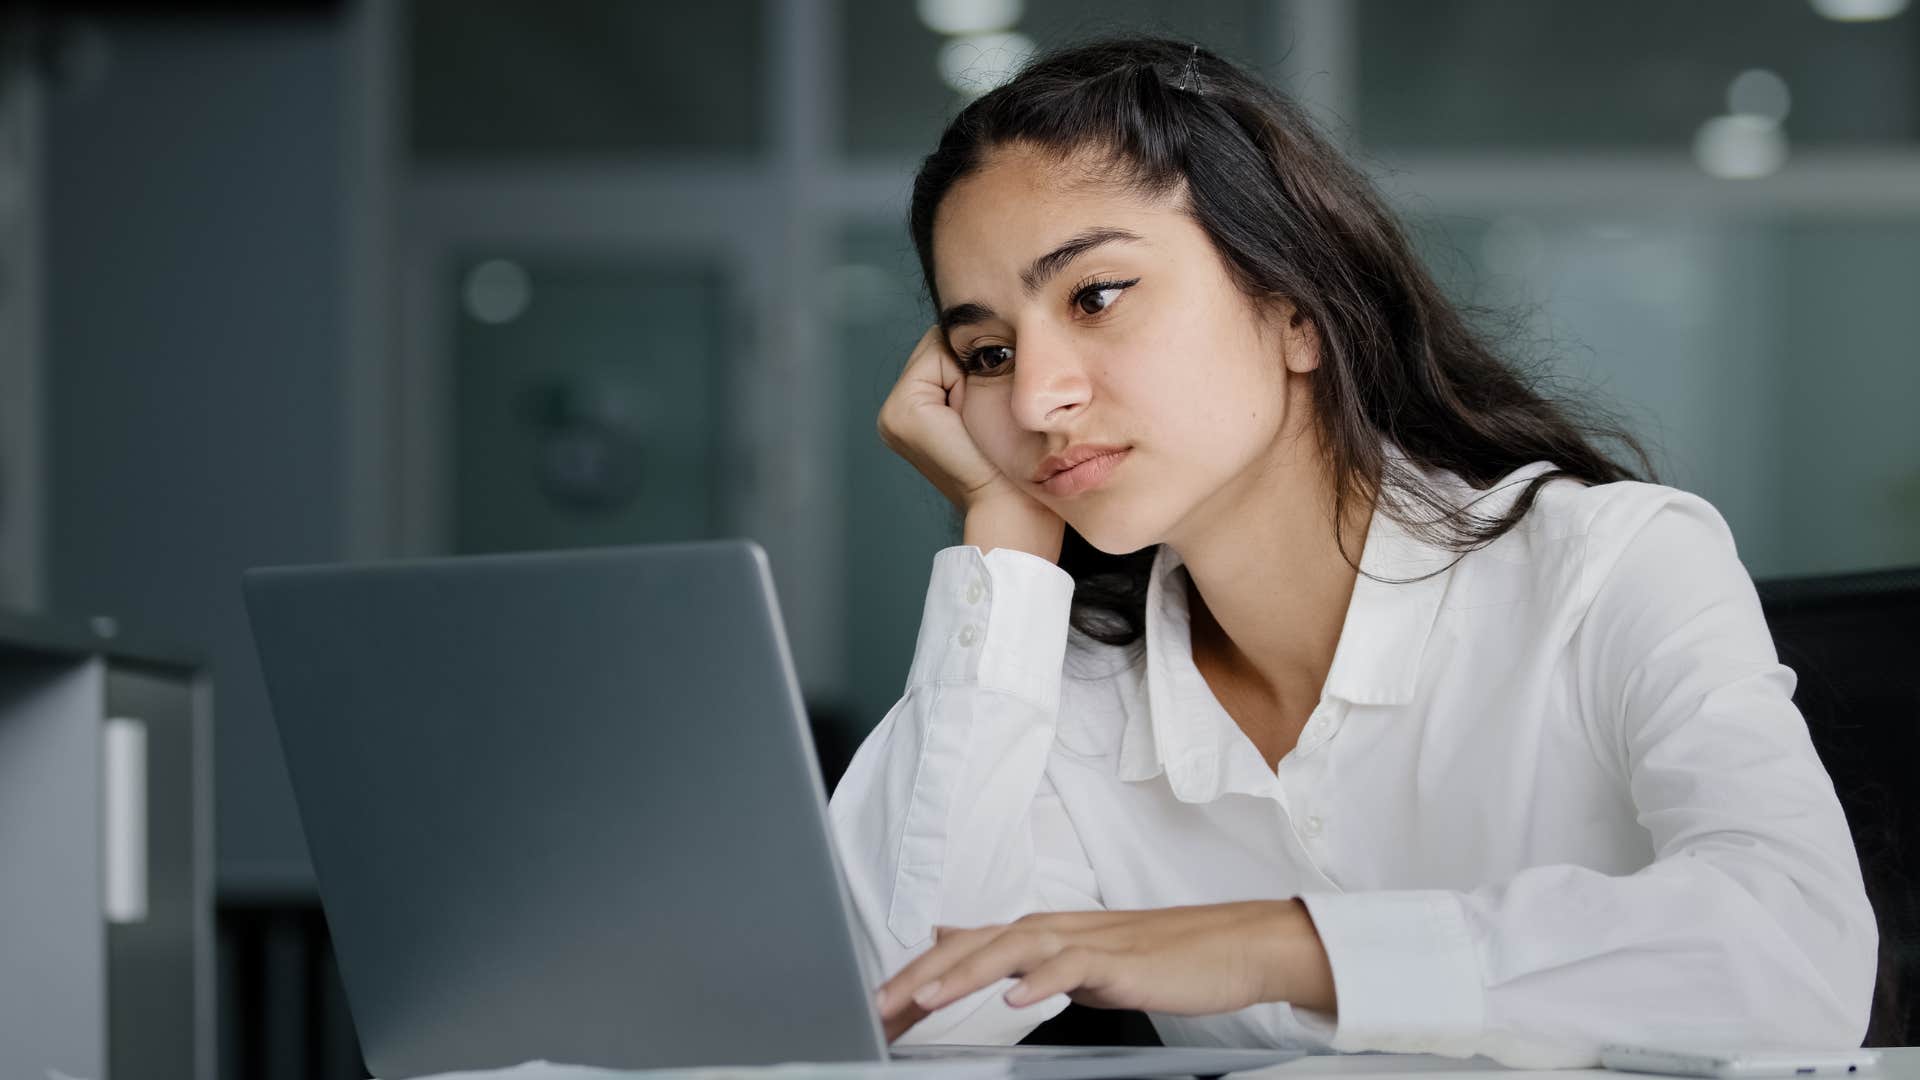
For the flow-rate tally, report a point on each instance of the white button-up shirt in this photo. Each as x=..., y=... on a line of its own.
x=1553, y=796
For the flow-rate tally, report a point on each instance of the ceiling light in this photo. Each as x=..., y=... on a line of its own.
x=1759, y=92
x=1740, y=147
x=497, y=291
x=977, y=63
x=955, y=17
x=1859, y=10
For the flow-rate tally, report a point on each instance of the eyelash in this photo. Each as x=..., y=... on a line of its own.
x=969, y=360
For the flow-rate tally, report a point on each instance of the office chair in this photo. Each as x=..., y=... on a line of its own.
x=1854, y=641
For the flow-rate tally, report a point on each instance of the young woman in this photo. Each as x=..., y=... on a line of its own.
x=1305, y=677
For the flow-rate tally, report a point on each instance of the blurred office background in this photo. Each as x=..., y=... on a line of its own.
x=295, y=282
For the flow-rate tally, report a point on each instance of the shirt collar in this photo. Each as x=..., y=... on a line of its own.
x=1177, y=725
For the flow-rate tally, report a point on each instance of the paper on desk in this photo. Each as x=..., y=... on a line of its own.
x=970, y=1069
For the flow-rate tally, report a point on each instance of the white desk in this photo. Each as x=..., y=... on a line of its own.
x=1896, y=1063
x=1902, y=1063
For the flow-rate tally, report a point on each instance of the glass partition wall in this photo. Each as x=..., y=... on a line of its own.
x=658, y=279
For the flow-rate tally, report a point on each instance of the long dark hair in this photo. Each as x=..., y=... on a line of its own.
x=1293, y=219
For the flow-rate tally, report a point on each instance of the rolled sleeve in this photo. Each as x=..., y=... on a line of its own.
x=1406, y=975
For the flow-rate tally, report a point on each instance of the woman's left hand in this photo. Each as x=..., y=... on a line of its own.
x=1211, y=958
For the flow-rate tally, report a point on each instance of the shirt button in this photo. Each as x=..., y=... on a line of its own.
x=974, y=592
x=1311, y=826
x=969, y=634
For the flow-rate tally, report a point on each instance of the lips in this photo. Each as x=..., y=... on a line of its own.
x=1079, y=468
x=1071, y=456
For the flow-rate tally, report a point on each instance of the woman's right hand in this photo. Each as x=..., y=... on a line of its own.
x=920, y=421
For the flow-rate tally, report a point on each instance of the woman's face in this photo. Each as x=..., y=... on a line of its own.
x=1086, y=317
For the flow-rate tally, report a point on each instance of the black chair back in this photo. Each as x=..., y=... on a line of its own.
x=1854, y=642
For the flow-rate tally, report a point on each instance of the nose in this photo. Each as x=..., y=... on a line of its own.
x=1050, y=385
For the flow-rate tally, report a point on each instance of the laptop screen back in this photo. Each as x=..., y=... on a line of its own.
x=563, y=806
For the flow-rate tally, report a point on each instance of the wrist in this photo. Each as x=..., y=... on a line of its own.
x=1298, y=971
x=1015, y=522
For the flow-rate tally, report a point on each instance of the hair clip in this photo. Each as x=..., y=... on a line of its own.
x=1190, y=75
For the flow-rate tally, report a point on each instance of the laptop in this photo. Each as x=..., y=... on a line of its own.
x=565, y=806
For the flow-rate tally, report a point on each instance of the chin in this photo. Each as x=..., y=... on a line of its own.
x=1117, y=537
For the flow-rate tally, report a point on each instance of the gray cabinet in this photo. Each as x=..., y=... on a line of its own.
x=106, y=858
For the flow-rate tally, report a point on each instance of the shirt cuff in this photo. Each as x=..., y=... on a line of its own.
x=1406, y=976
x=998, y=619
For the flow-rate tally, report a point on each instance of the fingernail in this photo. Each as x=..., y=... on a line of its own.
x=1017, y=994
x=927, y=995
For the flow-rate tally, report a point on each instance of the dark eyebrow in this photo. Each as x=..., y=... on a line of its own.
x=1038, y=273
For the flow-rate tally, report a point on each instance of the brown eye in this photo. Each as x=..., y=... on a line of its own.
x=1098, y=293
x=986, y=360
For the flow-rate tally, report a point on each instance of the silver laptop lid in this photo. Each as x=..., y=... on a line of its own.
x=564, y=806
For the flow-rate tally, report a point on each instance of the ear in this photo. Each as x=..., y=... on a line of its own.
x=1299, y=338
